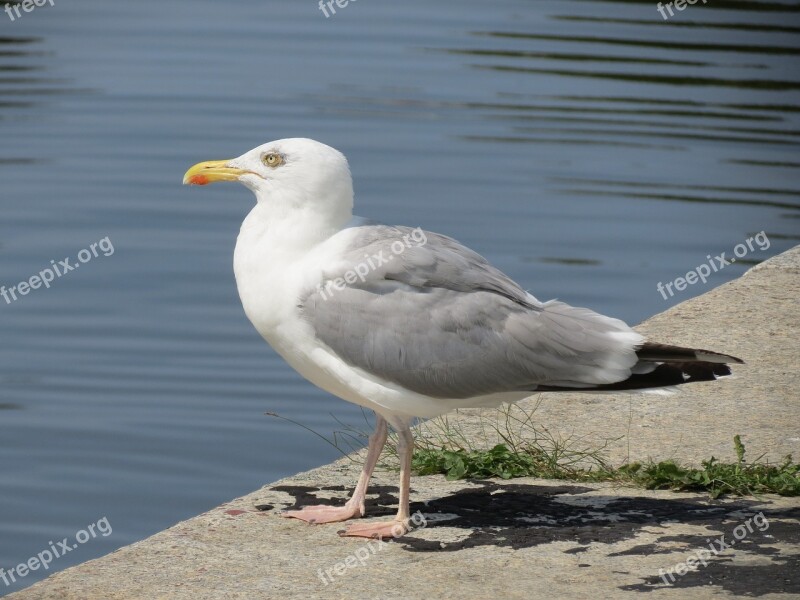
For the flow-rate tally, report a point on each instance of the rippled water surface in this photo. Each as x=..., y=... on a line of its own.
x=589, y=149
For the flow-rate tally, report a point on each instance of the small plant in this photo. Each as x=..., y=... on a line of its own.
x=718, y=478
x=520, y=449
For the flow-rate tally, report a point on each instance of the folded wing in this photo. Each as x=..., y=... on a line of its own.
x=438, y=319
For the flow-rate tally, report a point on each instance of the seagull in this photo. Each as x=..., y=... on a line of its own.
x=409, y=323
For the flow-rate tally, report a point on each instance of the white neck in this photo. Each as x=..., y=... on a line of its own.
x=294, y=222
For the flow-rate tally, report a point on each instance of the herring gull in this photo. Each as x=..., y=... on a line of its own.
x=406, y=322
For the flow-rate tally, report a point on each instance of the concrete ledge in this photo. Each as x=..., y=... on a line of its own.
x=528, y=538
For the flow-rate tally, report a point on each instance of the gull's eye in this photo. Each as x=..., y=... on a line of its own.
x=272, y=159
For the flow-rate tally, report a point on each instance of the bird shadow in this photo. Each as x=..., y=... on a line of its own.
x=517, y=516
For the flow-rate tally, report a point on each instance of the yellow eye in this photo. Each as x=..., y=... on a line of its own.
x=272, y=159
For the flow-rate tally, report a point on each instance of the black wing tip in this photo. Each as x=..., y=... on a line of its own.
x=737, y=360
x=665, y=375
x=655, y=352
x=716, y=357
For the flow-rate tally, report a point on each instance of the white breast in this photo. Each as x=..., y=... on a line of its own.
x=272, y=276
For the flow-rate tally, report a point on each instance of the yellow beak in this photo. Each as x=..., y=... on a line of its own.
x=214, y=170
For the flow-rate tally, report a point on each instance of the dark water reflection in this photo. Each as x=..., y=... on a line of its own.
x=589, y=149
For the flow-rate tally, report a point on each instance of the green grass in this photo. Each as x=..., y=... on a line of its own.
x=520, y=448
x=714, y=477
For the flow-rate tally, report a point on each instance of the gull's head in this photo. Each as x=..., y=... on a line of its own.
x=286, y=175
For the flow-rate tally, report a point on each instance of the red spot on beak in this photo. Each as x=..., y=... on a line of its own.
x=198, y=180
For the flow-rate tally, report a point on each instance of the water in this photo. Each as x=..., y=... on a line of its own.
x=589, y=149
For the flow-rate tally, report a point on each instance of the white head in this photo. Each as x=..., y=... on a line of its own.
x=295, y=178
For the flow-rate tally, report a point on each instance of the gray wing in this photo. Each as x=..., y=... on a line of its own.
x=422, y=311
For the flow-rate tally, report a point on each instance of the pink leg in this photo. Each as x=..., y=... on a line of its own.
x=354, y=507
x=400, y=525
